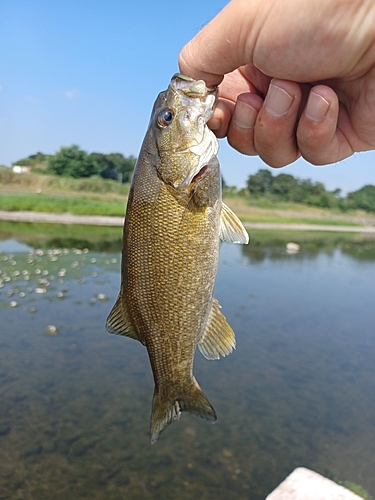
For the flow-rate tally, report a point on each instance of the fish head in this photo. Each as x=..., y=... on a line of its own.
x=184, y=143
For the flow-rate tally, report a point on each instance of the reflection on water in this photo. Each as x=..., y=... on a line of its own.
x=101, y=239
x=298, y=391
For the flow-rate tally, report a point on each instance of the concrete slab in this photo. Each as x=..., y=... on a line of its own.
x=305, y=484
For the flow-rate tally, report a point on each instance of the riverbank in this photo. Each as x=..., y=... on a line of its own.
x=51, y=194
x=100, y=220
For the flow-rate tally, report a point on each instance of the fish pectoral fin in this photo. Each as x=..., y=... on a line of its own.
x=218, y=337
x=231, y=228
x=118, y=321
x=164, y=412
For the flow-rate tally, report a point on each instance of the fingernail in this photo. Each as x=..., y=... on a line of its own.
x=217, y=118
x=278, y=101
x=214, y=123
x=244, y=115
x=316, y=107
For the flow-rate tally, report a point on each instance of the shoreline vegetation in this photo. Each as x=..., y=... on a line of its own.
x=77, y=182
x=42, y=192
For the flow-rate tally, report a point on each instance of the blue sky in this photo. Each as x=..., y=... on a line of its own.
x=87, y=72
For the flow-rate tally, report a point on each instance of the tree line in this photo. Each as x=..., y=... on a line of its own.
x=72, y=161
x=286, y=187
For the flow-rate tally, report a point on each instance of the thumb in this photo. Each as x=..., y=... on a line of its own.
x=222, y=46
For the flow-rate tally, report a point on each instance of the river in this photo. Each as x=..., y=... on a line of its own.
x=299, y=390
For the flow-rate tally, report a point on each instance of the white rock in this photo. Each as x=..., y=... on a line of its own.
x=51, y=330
x=293, y=247
x=305, y=484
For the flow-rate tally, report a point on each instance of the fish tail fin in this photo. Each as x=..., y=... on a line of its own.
x=165, y=412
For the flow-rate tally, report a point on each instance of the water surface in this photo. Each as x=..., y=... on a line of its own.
x=75, y=406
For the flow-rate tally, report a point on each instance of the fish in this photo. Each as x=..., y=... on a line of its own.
x=175, y=219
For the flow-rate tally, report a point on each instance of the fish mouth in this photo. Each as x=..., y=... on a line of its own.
x=192, y=88
x=187, y=88
x=195, y=93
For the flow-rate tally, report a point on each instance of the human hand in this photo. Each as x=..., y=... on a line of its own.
x=297, y=77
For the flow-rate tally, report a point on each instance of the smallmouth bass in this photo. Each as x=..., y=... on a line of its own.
x=174, y=220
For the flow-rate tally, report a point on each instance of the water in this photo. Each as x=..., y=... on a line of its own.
x=75, y=406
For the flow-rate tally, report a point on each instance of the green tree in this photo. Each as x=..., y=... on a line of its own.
x=260, y=182
x=33, y=160
x=104, y=166
x=72, y=162
x=364, y=198
x=288, y=188
x=313, y=193
x=284, y=186
x=114, y=165
x=124, y=165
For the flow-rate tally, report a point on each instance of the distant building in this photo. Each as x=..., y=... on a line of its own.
x=21, y=169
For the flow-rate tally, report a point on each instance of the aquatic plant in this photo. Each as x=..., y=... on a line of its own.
x=357, y=489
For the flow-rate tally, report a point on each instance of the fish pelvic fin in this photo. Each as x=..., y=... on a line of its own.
x=118, y=321
x=231, y=228
x=218, y=337
x=165, y=412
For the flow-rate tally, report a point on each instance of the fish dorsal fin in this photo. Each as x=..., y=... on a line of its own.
x=118, y=321
x=231, y=228
x=218, y=338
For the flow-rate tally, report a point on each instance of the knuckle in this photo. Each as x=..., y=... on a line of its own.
x=276, y=160
x=279, y=153
x=316, y=144
x=242, y=141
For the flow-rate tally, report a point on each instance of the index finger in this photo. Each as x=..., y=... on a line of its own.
x=220, y=47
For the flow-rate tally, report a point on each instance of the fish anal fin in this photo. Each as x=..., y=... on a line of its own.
x=118, y=321
x=164, y=412
x=218, y=337
x=231, y=228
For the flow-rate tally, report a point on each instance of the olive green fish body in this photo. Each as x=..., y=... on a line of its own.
x=172, y=230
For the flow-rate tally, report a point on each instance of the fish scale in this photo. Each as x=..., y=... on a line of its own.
x=172, y=230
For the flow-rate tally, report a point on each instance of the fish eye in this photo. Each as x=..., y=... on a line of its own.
x=165, y=118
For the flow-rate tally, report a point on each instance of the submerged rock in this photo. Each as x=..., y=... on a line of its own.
x=51, y=330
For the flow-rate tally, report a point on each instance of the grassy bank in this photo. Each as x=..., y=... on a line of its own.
x=33, y=182
x=50, y=193
x=82, y=205
x=96, y=196
x=263, y=210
